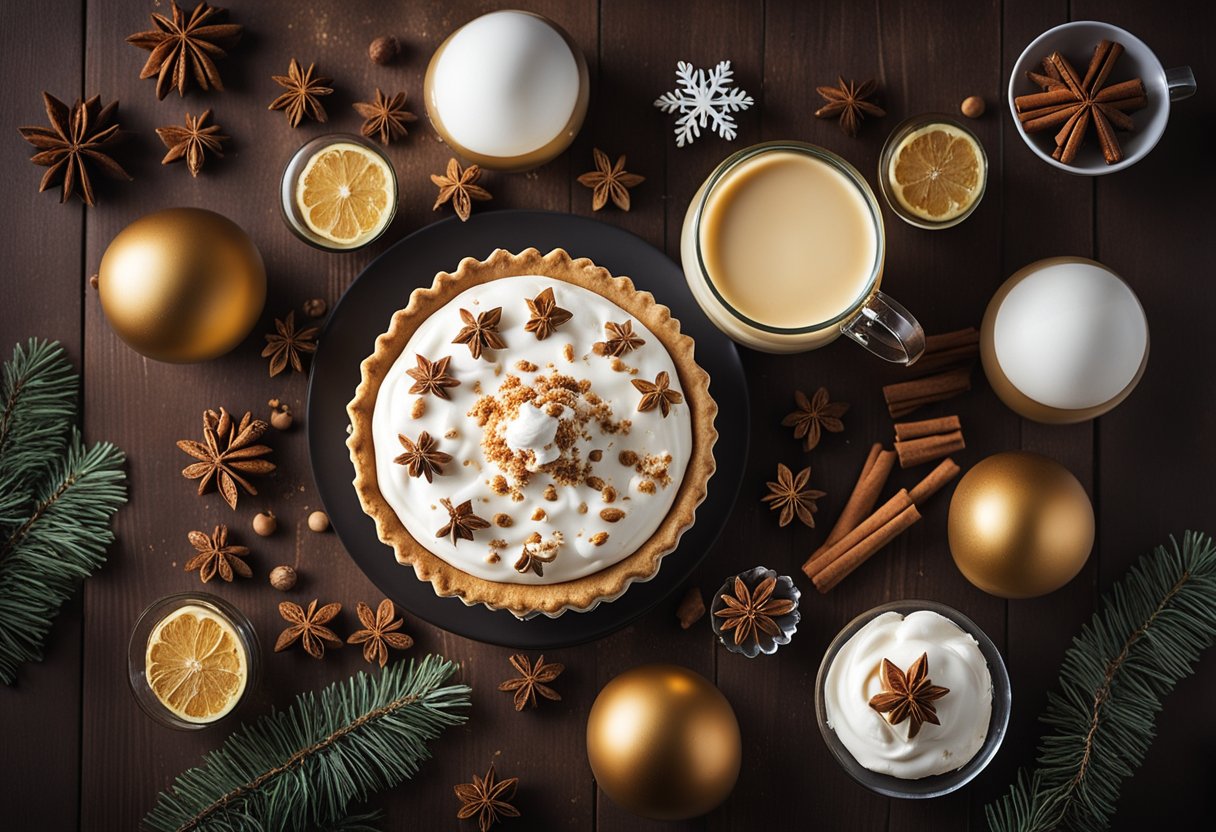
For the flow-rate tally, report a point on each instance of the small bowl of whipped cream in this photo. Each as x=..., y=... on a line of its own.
x=912, y=699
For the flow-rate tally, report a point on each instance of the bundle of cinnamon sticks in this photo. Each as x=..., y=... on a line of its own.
x=955, y=353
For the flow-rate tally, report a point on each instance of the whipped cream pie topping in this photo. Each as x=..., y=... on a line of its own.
x=545, y=436
x=912, y=747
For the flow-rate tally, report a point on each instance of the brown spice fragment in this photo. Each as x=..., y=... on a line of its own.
x=647, y=487
x=608, y=494
x=611, y=515
x=539, y=515
x=628, y=458
x=550, y=493
x=596, y=455
x=526, y=366
x=419, y=408
x=691, y=608
x=599, y=538
x=503, y=521
x=595, y=482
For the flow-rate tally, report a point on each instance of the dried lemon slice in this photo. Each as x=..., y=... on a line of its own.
x=346, y=194
x=196, y=664
x=936, y=172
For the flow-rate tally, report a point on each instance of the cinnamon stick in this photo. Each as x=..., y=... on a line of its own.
x=1116, y=117
x=1111, y=151
x=1030, y=115
x=948, y=350
x=869, y=526
x=1095, y=63
x=938, y=478
x=844, y=566
x=928, y=448
x=1051, y=71
x=1055, y=118
x=870, y=483
x=1125, y=105
x=926, y=427
x=1045, y=81
x=906, y=396
x=1048, y=98
x=1069, y=149
x=1124, y=89
x=1107, y=64
x=1067, y=74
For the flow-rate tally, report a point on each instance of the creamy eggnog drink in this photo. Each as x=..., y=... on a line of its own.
x=783, y=248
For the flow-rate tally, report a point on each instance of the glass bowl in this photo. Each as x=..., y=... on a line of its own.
x=935, y=785
x=138, y=646
x=884, y=167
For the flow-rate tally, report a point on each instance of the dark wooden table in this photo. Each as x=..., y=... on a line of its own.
x=79, y=752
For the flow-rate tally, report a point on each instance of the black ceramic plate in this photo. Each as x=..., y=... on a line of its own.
x=364, y=312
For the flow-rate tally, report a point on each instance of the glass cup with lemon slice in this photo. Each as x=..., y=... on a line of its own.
x=191, y=660
x=338, y=192
x=932, y=171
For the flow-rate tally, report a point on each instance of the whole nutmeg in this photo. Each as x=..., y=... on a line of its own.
x=315, y=307
x=281, y=419
x=318, y=521
x=384, y=50
x=264, y=523
x=973, y=106
x=283, y=578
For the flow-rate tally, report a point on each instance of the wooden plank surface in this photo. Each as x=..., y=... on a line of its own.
x=101, y=760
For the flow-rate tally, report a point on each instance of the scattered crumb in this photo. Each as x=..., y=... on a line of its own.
x=539, y=515
x=450, y=434
x=568, y=352
x=646, y=487
x=493, y=557
x=595, y=482
x=526, y=366
x=596, y=455
x=628, y=458
x=550, y=492
x=419, y=408
x=608, y=494
x=611, y=515
x=498, y=543
x=503, y=521
x=582, y=508
x=599, y=538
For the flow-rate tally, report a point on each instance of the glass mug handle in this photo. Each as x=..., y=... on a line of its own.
x=886, y=329
x=1180, y=82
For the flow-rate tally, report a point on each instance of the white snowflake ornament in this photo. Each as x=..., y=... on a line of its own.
x=704, y=98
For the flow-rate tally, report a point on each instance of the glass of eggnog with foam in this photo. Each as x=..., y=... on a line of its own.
x=783, y=248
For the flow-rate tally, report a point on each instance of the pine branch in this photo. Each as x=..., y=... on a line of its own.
x=301, y=768
x=1147, y=636
x=37, y=405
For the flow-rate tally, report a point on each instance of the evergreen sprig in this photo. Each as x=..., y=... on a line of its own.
x=57, y=498
x=301, y=768
x=1146, y=636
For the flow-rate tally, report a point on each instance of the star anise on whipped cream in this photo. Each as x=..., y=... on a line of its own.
x=432, y=377
x=657, y=394
x=546, y=315
x=620, y=340
x=423, y=457
x=462, y=522
x=481, y=333
x=909, y=696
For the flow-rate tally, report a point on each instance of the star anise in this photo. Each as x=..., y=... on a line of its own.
x=185, y=47
x=533, y=679
x=813, y=416
x=226, y=452
x=379, y=632
x=385, y=116
x=847, y=101
x=535, y=553
x=423, y=457
x=657, y=394
x=620, y=340
x=285, y=345
x=481, y=333
x=215, y=556
x=462, y=522
x=192, y=142
x=76, y=139
x=487, y=798
x=790, y=495
x=609, y=181
x=459, y=185
x=751, y=612
x=908, y=697
x=546, y=315
x=308, y=627
x=432, y=377
x=304, y=91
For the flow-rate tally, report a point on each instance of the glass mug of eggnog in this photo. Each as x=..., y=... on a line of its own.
x=783, y=248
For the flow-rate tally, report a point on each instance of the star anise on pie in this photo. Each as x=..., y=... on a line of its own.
x=226, y=453
x=459, y=185
x=432, y=377
x=609, y=181
x=462, y=522
x=308, y=627
x=751, y=612
x=546, y=315
x=186, y=47
x=76, y=140
x=487, y=798
x=215, y=556
x=620, y=340
x=813, y=416
x=385, y=116
x=192, y=142
x=791, y=497
x=286, y=344
x=423, y=457
x=379, y=632
x=536, y=552
x=847, y=101
x=908, y=696
x=481, y=333
x=657, y=394
x=303, y=93
x=533, y=679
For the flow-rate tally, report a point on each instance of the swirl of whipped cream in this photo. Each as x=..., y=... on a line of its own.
x=955, y=662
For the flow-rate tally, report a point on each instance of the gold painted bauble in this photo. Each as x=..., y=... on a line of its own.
x=182, y=285
x=663, y=742
x=1021, y=525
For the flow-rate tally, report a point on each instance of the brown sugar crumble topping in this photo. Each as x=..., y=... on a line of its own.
x=608, y=494
x=568, y=352
x=611, y=515
x=551, y=493
x=526, y=366
x=599, y=538
x=647, y=487
x=539, y=515
x=503, y=521
x=418, y=409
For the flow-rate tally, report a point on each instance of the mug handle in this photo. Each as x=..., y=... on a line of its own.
x=1180, y=82
x=886, y=329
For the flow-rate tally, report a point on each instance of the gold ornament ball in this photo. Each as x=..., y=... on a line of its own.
x=182, y=285
x=663, y=742
x=1020, y=526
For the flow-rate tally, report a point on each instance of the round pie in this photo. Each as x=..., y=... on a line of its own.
x=532, y=433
